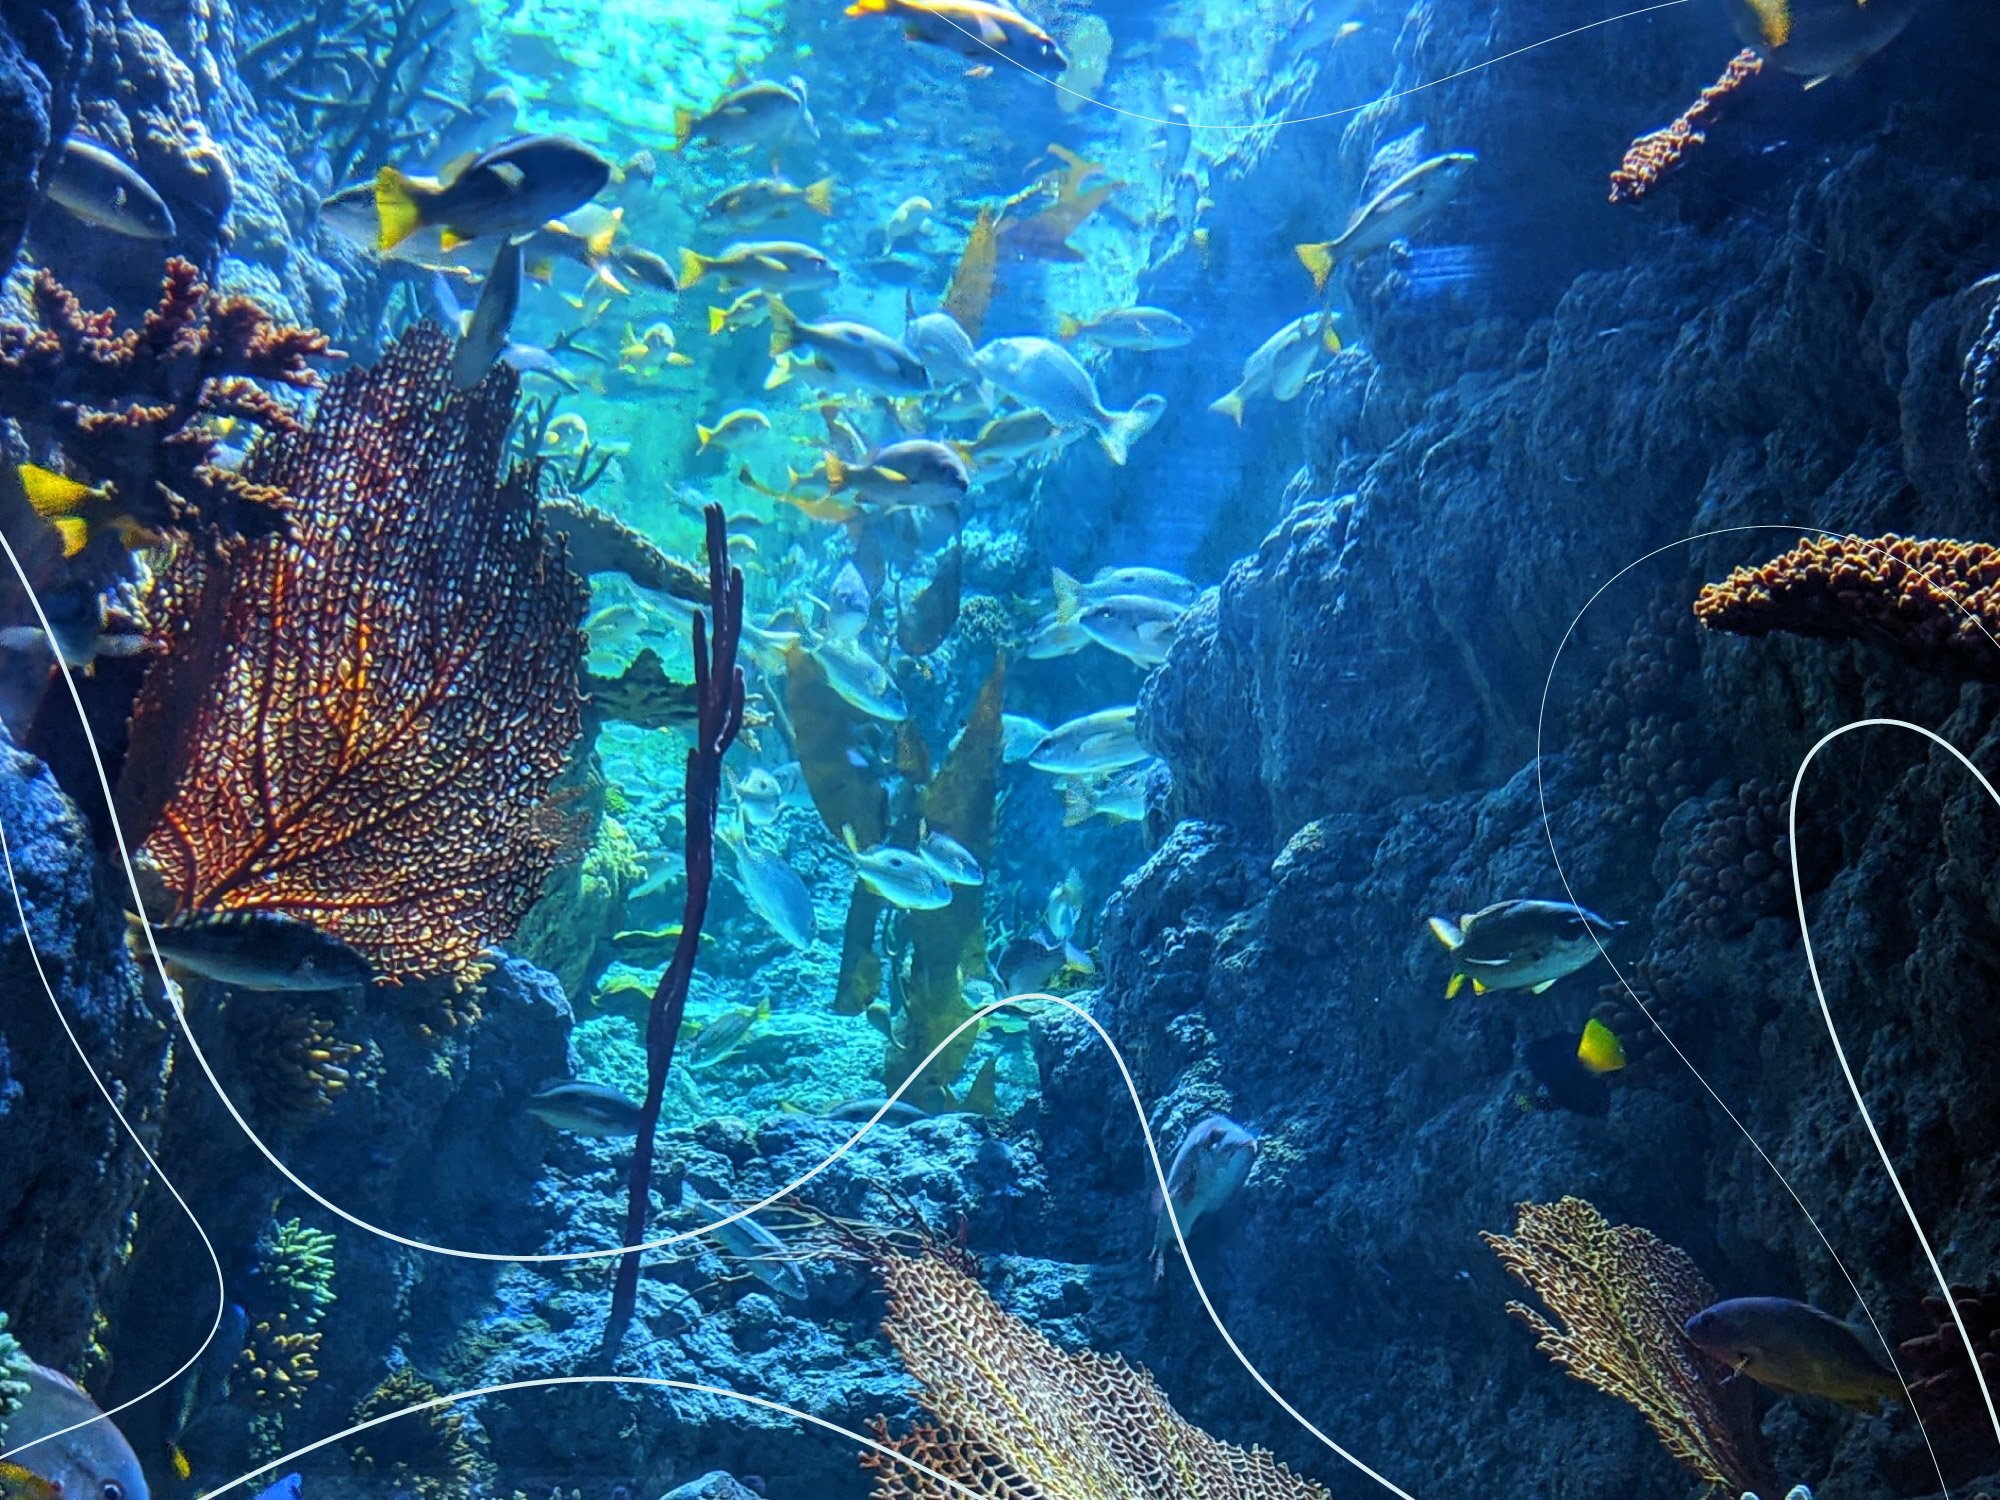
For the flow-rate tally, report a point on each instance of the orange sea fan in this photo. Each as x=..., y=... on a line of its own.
x=360, y=728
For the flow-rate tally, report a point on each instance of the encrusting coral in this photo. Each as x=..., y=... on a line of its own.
x=1017, y=1418
x=1933, y=602
x=1652, y=156
x=1738, y=865
x=1622, y=1297
x=143, y=410
x=361, y=729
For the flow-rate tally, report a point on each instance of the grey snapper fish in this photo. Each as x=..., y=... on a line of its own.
x=254, y=950
x=861, y=681
x=583, y=1108
x=761, y=113
x=899, y=876
x=765, y=265
x=106, y=192
x=915, y=474
x=1135, y=626
x=1398, y=210
x=1150, y=583
x=1281, y=364
x=773, y=889
x=1214, y=1158
x=92, y=1463
x=486, y=332
x=1519, y=945
x=1118, y=798
x=1137, y=328
x=940, y=341
x=853, y=354
x=1019, y=735
x=1042, y=374
x=1795, y=1349
x=759, y=795
x=1107, y=740
x=946, y=855
x=751, y=1245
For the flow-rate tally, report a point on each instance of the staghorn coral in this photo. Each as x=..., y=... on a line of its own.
x=295, y=1064
x=1622, y=1296
x=1652, y=156
x=282, y=1361
x=362, y=730
x=1935, y=1364
x=1932, y=602
x=141, y=410
x=1016, y=1418
x=296, y=1263
x=429, y=1452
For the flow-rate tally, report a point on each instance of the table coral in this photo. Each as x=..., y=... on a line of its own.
x=1935, y=603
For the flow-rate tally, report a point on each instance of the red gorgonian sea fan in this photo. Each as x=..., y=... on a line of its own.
x=360, y=728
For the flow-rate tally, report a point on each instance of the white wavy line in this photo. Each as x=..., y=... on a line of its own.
x=1562, y=875
x=1332, y=114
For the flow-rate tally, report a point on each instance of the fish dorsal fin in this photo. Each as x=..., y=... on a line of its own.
x=454, y=169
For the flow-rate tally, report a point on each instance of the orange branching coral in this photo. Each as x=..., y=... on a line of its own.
x=1651, y=157
x=1622, y=1296
x=142, y=409
x=1019, y=1419
x=361, y=729
x=1934, y=602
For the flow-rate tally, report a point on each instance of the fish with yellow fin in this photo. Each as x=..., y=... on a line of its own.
x=763, y=113
x=79, y=511
x=972, y=28
x=1520, y=945
x=737, y=427
x=1398, y=210
x=1570, y=1073
x=1820, y=39
x=513, y=189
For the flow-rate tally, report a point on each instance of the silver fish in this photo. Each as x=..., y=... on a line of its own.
x=758, y=796
x=486, y=331
x=1281, y=364
x=775, y=892
x=1019, y=735
x=1137, y=328
x=255, y=950
x=939, y=340
x=1151, y=583
x=759, y=113
x=92, y=1463
x=108, y=193
x=852, y=354
x=951, y=859
x=848, y=604
x=1038, y=373
x=1214, y=1158
x=1136, y=627
x=898, y=876
x=583, y=1108
x=1119, y=797
x=1086, y=746
x=754, y=1247
x=1398, y=210
x=1520, y=945
x=916, y=474
x=861, y=681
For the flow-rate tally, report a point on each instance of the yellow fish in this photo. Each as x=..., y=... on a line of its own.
x=79, y=511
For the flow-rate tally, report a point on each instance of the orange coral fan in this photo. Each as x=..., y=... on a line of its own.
x=360, y=730
x=1937, y=603
x=1020, y=1419
x=1651, y=157
x=141, y=409
x=1623, y=1296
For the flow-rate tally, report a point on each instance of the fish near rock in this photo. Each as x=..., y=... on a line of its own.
x=583, y=1108
x=106, y=192
x=1107, y=740
x=513, y=189
x=94, y=1462
x=254, y=950
x=1214, y=1158
x=1520, y=945
x=1042, y=374
x=1795, y=1349
x=1281, y=364
x=1400, y=209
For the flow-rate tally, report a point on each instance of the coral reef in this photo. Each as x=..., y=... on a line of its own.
x=1933, y=602
x=142, y=410
x=601, y=543
x=1015, y=1416
x=296, y=1262
x=1652, y=156
x=1937, y=1369
x=282, y=1361
x=13, y=1390
x=1621, y=1296
x=429, y=1452
x=1737, y=869
x=362, y=730
x=295, y=1062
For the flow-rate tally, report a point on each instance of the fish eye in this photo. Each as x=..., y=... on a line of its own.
x=111, y=1489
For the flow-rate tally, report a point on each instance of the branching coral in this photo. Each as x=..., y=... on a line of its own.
x=1933, y=602
x=1016, y=1418
x=296, y=1263
x=362, y=730
x=13, y=1363
x=296, y=1065
x=282, y=1361
x=1651, y=157
x=428, y=1452
x=1622, y=1296
x=142, y=410
x=1940, y=1375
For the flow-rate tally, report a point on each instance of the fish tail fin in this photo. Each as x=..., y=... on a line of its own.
x=1457, y=983
x=847, y=838
x=1447, y=932
x=1231, y=406
x=598, y=245
x=50, y=493
x=718, y=319
x=1126, y=428
x=1329, y=339
x=784, y=327
x=1068, y=327
x=694, y=266
x=1069, y=595
x=1774, y=21
x=819, y=196
x=183, y=1470
x=868, y=8
x=1317, y=259
x=397, y=210
x=1077, y=806
x=836, y=474
x=705, y=434
x=74, y=532
x=684, y=122
x=982, y=1095
x=677, y=359
x=781, y=371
